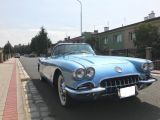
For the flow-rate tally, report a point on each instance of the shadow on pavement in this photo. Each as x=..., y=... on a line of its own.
x=102, y=109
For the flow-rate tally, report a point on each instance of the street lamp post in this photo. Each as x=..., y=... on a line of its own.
x=80, y=15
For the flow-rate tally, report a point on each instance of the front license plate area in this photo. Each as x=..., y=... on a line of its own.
x=126, y=92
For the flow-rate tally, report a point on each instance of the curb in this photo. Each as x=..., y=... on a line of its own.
x=155, y=72
x=34, y=105
x=23, y=75
x=157, y=75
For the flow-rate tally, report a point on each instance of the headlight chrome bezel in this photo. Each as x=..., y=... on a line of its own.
x=90, y=72
x=144, y=66
x=81, y=73
x=151, y=66
x=147, y=66
x=76, y=74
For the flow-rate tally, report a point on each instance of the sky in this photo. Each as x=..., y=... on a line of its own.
x=21, y=20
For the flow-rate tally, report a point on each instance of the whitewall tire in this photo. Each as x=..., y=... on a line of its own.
x=64, y=99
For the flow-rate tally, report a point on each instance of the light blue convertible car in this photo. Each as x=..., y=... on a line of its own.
x=79, y=73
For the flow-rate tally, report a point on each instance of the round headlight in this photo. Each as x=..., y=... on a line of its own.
x=90, y=72
x=79, y=73
x=145, y=66
x=151, y=66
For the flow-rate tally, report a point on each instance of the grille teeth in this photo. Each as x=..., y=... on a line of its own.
x=120, y=81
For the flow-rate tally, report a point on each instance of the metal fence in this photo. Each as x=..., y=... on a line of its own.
x=156, y=64
x=138, y=53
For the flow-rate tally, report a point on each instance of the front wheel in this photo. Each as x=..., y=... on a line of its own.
x=64, y=99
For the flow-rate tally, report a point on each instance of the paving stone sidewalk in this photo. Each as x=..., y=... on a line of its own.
x=36, y=108
x=19, y=98
x=11, y=100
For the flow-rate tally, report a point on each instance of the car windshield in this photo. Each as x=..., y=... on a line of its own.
x=66, y=49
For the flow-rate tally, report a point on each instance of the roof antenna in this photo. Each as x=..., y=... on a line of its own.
x=107, y=23
x=66, y=35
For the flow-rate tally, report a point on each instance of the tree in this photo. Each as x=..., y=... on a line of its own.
x=40, y=43
x=147, y=35
x=22, y=49
x=92, y=41
x=8, y=49
x=33, y=45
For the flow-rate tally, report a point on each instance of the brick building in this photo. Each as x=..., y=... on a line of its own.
x=122, y=37
x=118, y=38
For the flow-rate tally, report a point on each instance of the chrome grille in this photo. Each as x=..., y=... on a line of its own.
x=120, y=81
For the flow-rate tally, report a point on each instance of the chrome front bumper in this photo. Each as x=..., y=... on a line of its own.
x=145, y=83
x=148, y=81
x=142, y=83
x=94, y=90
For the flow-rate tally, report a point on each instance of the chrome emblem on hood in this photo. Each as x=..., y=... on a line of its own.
x=118, y=69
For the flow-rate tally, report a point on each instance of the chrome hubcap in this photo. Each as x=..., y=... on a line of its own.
x=61, y=90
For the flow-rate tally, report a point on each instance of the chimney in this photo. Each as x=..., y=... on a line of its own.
x=65, y=39
x=151, y=15
x=95, y=31
x=106, y=29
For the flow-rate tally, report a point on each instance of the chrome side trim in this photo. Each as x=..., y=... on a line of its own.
x=148, y=81
x=94, y=90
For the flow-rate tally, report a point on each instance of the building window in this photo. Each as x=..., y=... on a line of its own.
x=105, y=40
x=119, y=38
x=114, y=37
x=132, y=36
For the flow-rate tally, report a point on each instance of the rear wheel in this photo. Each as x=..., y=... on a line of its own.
x=64, y=99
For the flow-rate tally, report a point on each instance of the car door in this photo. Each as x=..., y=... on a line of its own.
x=45, y=68
x=50, y=69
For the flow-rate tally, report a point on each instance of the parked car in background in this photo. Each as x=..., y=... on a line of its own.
x=32, y=55
x=42, y=55
x=78, y=73
x=17, y=55
x=26, y=55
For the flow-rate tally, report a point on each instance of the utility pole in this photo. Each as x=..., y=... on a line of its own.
x=80, y=15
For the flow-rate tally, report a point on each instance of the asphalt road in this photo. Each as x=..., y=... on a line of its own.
x=145, y=107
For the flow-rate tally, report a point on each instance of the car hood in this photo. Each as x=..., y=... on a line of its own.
x=92, y=60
